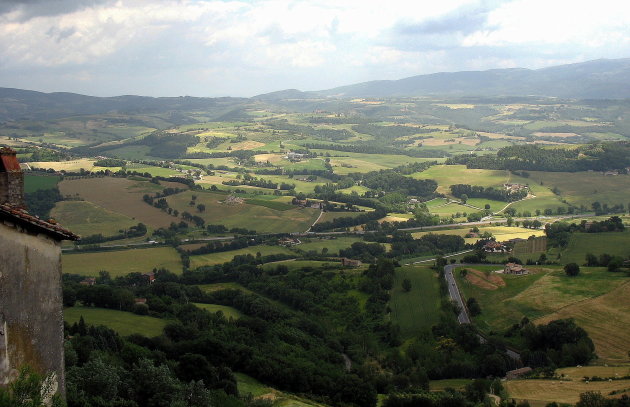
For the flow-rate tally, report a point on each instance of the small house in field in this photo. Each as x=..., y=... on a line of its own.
x=513, y=268
x=516, y=373
x=88, y=281
x=350, y=262
x=150, y=276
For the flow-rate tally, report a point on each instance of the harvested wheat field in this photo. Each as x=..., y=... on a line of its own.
x=606, y=319
x=121, y=195
x=541, y=392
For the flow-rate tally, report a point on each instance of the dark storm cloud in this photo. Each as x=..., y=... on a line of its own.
x=39, y=8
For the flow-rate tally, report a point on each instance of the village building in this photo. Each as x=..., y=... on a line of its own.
x=513, y=268
x=89, y=281
x=511, y=188
x=150, y=277
x=289, y=241
x=495, y=247
x=350, y=262
x=31, y=306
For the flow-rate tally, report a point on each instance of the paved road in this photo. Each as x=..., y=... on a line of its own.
x=463, y=317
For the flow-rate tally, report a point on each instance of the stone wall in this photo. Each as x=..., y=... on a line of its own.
x=31, y=307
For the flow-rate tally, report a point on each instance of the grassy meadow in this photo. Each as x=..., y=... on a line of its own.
x=613, y=243
x=121, y=195
x=223, y=257
x=548, y=293
x=34, y=183
x=85, y=218
x=125, y=323
x=253, y=217
x=419, y=309
x=122, y=262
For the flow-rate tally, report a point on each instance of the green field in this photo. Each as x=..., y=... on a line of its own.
x=613, y=243
x=34, y=183
x=122, y=262
x=125, y=323
x=586, y=187
x=419, y=309
x=333, y=244
x=447, y=175
x=548, y=293
x=228, y=312
x=223, y=257
x=85, y=218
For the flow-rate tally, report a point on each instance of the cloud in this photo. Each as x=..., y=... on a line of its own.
x=209, y=47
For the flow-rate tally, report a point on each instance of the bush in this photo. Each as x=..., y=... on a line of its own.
x=572, y=269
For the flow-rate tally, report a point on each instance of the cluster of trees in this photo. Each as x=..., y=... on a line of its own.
x=474, y=191
x=559, y=343
x=597, y=157
x=41, y=202
x=613, y=263
x=110, y=162
x=363, y=251
x=612, y=224
x=216, y=246
x=310, y=131
x=403, y=244
x=134, y=231
x=168, y=145
x=371, y=148
x=347, y=221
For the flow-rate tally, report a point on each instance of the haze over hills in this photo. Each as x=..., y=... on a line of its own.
x=599, y=79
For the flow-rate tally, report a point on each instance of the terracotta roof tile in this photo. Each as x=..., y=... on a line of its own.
x=33, y=222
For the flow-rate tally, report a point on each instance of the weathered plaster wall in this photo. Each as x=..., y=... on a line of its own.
x=31, y=310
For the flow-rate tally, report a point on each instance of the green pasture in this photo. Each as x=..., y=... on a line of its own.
x=122, y=262
x=447, y=175
x=248, y=385
x=613, y=243
x=228, y=312
x=125, y=323
x=482, y=202
x=85, y=218
x=545, y=290
x=583, y=188
x=34, y=183
x=419, y=309
x=223, y=257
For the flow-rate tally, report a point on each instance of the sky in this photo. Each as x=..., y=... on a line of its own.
x=248, y=47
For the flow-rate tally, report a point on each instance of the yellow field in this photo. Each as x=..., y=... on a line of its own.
x=272, y=158
x=247, y=145
x=122, y=196
x=74, y=165
x=541, y=392
x=443, y=142
x=501, y=233
x=606, y=319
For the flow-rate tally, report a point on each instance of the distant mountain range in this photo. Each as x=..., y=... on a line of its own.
x=599, y=79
